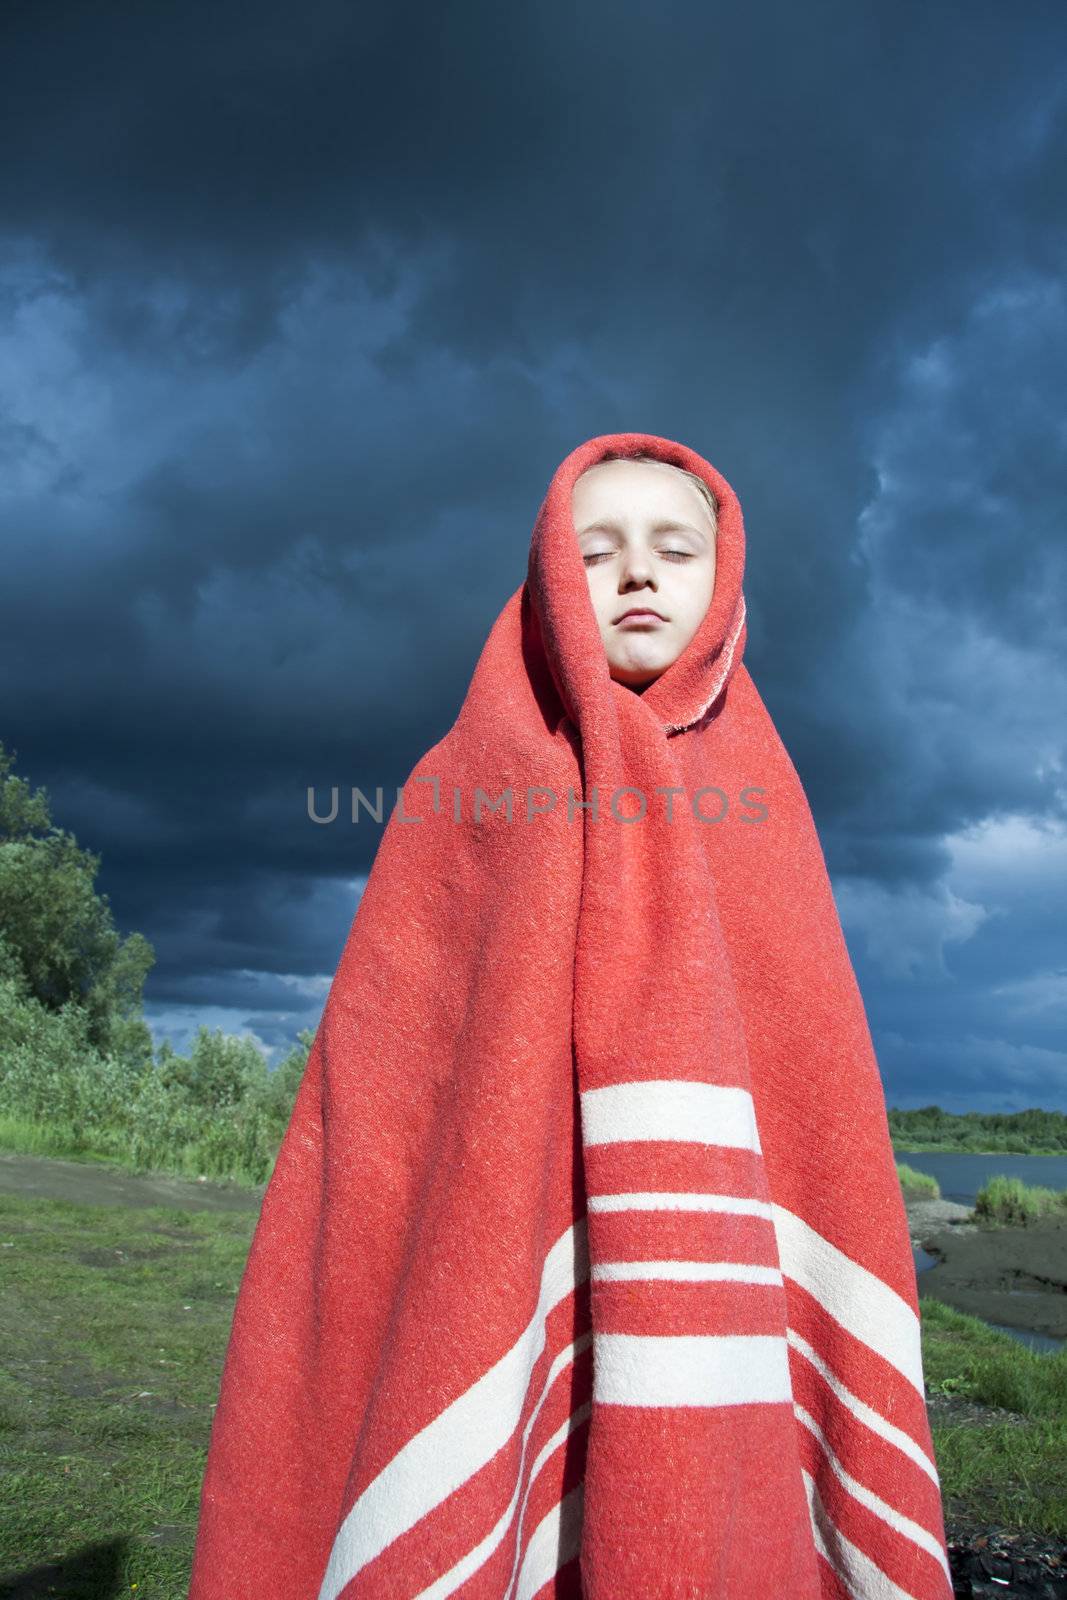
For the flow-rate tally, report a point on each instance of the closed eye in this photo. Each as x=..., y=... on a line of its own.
x=670, y=555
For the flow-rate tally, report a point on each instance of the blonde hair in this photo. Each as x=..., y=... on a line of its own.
x=709, y=498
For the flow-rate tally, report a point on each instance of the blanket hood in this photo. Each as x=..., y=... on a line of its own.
x=683, y=694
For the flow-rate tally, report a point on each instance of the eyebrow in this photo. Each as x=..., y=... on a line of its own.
x=665, y=525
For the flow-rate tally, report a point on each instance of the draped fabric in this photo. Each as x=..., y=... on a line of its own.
x=584, y=1268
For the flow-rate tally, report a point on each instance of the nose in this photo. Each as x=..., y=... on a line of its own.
x=636, y=571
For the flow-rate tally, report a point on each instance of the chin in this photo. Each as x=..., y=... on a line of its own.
x=637, y=677
x=639, y=669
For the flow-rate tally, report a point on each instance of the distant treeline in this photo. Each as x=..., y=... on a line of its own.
x=1030, y=1132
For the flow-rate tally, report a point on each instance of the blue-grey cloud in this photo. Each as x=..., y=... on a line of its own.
x=298, y=313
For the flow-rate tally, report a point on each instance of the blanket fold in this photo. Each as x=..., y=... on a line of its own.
x=584, y=1268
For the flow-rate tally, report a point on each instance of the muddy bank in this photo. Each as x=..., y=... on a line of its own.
x=83, y=1182
x=1013, y=1275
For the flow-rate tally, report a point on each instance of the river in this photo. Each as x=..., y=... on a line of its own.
x=961, y=1173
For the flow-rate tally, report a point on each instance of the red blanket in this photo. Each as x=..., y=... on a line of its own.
x=584, y=1267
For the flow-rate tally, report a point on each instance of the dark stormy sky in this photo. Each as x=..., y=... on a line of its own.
x=301, y=306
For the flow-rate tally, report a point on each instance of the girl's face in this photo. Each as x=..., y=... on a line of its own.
x=648, y=543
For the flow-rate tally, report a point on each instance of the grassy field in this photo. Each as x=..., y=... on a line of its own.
x=113, y=1325
x=114, y=1322
x=1008, y=1469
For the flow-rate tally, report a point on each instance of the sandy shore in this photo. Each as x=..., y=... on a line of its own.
x=1011, y=1275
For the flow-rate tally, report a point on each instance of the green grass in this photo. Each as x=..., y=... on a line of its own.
x=24, y=1137
x=113, y=1328
x=1012, y=1474
x=1010, y=1200
x=113, y=1325
x=917, y=1184
x=111, y=1147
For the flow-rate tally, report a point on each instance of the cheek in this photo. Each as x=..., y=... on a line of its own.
x=601, y=593
x=695, y=601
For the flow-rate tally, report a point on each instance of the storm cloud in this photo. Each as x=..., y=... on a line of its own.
x=300, y=307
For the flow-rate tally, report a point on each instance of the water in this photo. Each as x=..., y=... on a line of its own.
x=961, y=1174
x=1036, y=1341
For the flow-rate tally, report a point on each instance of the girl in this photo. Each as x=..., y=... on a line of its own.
x=584, y=1268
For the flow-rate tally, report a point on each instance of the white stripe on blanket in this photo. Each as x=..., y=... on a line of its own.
x=861, y=1576
x=461, y=1439
x=870, y=1310
x=556, y=1539
x=669, y=1108
x=686, y=1271
x=906, y=1526
x=863, y=1412
x=676, y=1201
x=645, y=1369
x=451, y=1580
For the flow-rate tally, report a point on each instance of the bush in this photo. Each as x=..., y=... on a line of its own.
x=49, y=1070
x=916, y=1184
x=1010, y=1200
x=220, y=1073
x=218, y=1113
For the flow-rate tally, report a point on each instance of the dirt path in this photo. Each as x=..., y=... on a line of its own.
x=86, y=1183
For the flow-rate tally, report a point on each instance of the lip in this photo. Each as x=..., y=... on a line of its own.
x=640, y=614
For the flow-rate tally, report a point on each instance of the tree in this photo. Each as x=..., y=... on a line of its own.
x=60, y=931
x=219, y=1071
x=285, y=1079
